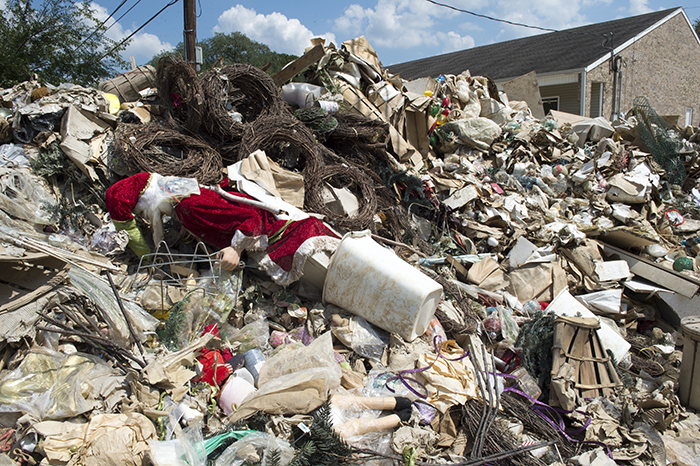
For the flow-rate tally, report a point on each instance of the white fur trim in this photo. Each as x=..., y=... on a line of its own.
x=307, y=248
x=249, y=243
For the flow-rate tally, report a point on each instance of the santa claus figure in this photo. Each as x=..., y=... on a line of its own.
x=278, y=239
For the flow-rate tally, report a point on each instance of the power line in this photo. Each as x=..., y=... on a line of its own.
x=119, y=19
x=491, y=18
x=137, y=30
x=102, y=23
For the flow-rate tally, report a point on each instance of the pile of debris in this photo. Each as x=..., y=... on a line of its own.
x=507, y=290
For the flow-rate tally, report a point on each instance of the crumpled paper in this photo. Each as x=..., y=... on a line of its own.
x=107, y=440
x=448, y=382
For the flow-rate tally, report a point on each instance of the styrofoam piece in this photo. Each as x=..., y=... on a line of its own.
x=605, y=301
x=371, y=281
x=612, y=270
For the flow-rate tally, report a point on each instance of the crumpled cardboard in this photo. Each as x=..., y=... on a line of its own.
x=78, y=127
x=296, y=393
x=422, y=440
x=525, y=88
x=593, y=129
x=107, y=440
x=257, y=167
x=487, y=274
x=644, y=442
x=603, y=427
x=562, y=386
x=171, y=372
x=537, y=281
x=597, y=457
x=361, y=48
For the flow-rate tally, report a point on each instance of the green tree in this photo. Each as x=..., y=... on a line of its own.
x=58, y=40
x=227, y=49
x=696, y=25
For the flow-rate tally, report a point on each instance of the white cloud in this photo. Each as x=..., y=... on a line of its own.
x=281, y=34
x=146, y=45
x=548, y=14
x=452, y=42
x=143, y=46
x=2, y=4
x=404, y=24
x=639, y=7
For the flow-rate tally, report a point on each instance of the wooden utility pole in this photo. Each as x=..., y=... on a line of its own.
x=190, y=32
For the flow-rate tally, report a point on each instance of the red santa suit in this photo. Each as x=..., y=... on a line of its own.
x=280, y=247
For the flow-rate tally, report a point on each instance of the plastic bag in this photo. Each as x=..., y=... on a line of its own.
x=319, y=354
x=356, y=333
x=101, y=293
x=22, y=195
x=471, y=108
x=256, y=449
x=473, y=129
x=509, y=328
x=12, y=155
x=186, y=449
x=254, y=335
x=366, y=340
x=51, y=385
x=108, y=241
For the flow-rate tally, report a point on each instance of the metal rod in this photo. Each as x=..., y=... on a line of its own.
x=480, y=381
x=124, y=313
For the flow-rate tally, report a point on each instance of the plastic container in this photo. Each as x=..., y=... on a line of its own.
x=254, y=359
x=235, y=390
x=371, y=281
x=689, y=381
x=302, y=94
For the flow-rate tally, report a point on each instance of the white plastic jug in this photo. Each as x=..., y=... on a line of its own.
x=302, y=94
x=373, y=282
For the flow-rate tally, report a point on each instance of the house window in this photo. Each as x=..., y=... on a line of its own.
x=596, y=99
x=688, y=116
x=550, y=103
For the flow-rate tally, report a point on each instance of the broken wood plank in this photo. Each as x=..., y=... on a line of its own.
x=298, y=65
x=667, y=278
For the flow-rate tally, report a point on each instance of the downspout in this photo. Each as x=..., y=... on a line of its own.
x=583, y=93
x=617, y=95
x=616, y=68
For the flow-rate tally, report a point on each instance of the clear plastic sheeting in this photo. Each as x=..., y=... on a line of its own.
x=256, y=449
x=103, y=296
x=12, y=155
x=51, y=385
x=22, y=195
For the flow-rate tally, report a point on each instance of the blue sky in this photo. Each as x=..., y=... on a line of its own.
x=399, y=30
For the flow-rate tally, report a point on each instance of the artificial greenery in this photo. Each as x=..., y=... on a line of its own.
x=175, y=324
x=536, y=338
x=72, y=208
x=322, y=445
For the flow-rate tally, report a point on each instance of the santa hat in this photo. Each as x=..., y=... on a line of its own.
x=122, y=197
